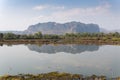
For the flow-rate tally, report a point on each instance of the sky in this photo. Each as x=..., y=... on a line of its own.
x=19, y=14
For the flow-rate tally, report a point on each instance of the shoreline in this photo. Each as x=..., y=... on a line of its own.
x=59, y=41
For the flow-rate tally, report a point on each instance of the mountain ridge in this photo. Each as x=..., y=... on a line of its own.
x=62, y=28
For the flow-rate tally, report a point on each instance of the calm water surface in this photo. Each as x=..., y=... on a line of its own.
x=83, y=59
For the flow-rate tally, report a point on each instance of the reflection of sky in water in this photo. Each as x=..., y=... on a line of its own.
x=19, y=59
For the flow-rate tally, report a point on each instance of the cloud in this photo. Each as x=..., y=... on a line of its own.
x=79, y=12
x=74, y=13
x=42, y=7
x=58, y=7
x=45, y=7
x=100, y=15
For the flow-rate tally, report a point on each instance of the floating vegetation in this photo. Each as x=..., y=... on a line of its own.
x=55, y=76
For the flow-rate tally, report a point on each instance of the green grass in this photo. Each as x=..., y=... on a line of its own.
x=50, y=76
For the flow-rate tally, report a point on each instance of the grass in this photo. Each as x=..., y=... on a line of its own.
x=51, y=76
x=55, y=76
x=93, y=40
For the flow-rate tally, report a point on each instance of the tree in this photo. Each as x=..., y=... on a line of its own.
x=9, y=36
x=85, y=34
x=23, y=36
x=1, y=36
x=38, y=35
x=116, y=34
x=30, y=36
x=54, y=37
x=46, y=36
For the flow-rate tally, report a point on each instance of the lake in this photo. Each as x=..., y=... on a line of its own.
x=81, y=59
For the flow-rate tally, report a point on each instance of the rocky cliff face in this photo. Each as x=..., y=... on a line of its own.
x=57, y=28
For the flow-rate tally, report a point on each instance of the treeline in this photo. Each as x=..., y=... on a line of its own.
x=39, y=35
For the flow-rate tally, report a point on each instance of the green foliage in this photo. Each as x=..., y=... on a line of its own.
x=1, y=36
x=23, y=36
x=54, y=76
x=38, y=35
x=9, y=36
x=30, y=36
x=46, y=36
x=72, y=36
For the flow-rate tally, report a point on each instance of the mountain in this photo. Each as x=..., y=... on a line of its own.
x=57, y=28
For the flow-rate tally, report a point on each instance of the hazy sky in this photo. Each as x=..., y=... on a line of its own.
x=19, y=14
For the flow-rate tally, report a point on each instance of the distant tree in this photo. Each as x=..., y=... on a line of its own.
x=116, y=34
x=30, y=36
x=46, y=36
x=101, y=34
x=9, y=36
x=1, y=36
x=38, y=35
x=85, y=34
x=71, y=35
x=23, y=36
x=55, y=37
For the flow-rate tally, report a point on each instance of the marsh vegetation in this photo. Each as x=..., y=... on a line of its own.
x=71, y=38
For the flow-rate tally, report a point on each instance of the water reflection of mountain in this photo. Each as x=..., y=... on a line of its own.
x=63, y=48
